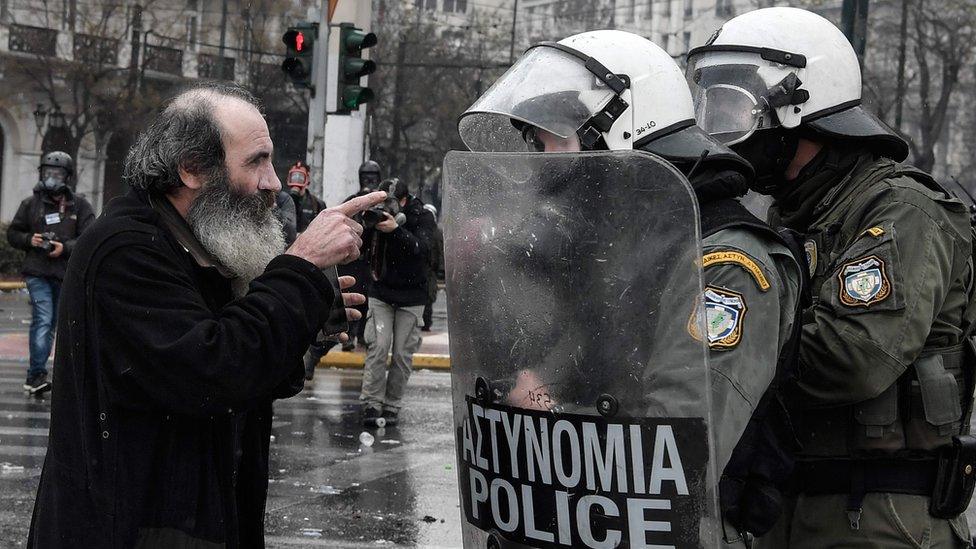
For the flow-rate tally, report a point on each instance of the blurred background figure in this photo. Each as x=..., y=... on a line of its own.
x=46, y=226
x=397, y=238
x=369, y=176
x=369, y=180
x=435, y=269
x=285, y=212
x=307, y=205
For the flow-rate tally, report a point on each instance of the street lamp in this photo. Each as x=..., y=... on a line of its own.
x=39, y=115
x=57, y=118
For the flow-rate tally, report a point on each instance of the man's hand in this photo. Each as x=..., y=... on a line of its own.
x=333, y=238
x=37, y=240
x=530, y=392
x=350, y=299
x=58, y=249
x=388, y=225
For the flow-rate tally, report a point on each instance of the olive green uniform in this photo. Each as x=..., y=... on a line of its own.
x=881, y=372
x=765, y=276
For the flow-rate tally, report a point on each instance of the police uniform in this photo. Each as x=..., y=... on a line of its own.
x=884, y=379
x=752, y=292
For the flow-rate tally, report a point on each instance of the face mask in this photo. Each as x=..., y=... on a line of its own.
x=770, y=152
x=53, y=179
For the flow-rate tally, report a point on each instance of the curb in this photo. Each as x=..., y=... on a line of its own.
x=342, y=359
x=11, y=286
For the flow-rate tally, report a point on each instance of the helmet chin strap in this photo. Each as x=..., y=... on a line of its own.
x=770, y=152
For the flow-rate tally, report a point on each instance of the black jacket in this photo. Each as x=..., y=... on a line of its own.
x=306, y=208
x=161, y=410
x=40, y=213
x=398, y=260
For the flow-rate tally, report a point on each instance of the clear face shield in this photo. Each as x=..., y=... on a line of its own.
x=732, y=100
x=547, y=89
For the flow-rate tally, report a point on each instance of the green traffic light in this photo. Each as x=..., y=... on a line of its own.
x=354, y=96
x=352, y=67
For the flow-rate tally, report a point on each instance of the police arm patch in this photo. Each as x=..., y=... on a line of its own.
x=740, y=259
x=864, y=282
x=725, y=313
x=810, y=247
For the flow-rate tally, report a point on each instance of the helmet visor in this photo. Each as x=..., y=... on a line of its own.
x=730, y=99
x=546, y=88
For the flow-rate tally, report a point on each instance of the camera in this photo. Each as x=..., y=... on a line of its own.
x=391, y=205
x=46, y=241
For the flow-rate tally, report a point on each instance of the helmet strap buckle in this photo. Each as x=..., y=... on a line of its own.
x=601, y=122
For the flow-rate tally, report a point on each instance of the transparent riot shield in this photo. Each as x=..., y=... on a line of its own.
x=579, y=376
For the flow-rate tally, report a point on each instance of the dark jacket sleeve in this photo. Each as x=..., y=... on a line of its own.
x=19, y=232
x=849, y=354
x=86, y=216
x=160, y=346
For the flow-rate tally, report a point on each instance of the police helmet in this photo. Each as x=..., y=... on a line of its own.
x=783, y=67
x=612, y=89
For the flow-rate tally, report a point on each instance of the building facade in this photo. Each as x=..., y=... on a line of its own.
x=81, y=75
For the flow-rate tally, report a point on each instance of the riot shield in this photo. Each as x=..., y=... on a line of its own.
x=580, y=379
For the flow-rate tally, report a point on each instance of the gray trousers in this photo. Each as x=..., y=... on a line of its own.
x=389, y=326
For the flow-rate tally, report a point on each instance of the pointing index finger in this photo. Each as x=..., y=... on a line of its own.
x=360, y=203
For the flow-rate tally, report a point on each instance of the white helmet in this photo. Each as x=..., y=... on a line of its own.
x=783, y=67
x=607, y=85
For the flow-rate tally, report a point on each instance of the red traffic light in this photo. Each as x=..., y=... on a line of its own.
x=296, y=40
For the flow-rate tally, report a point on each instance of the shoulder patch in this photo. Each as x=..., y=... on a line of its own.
x=725, y=312
x=740, y=259
x=864, y=282
x=810, y=247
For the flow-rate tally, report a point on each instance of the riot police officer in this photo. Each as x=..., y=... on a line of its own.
x=641, y=102
x=884, y=376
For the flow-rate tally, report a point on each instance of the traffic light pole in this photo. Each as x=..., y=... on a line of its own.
x=315, y=154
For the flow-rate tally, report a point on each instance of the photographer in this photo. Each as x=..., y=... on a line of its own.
x=398, y=235
x=369, y=181
x=46, y=227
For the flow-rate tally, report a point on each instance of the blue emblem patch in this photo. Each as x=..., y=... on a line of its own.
x=724, y=313
x=864, y=282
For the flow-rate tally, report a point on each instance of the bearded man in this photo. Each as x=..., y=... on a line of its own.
x=182, y=320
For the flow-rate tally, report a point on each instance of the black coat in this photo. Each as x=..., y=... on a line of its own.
x=161, y=409
x=398, y=260
x=307, y=207
x=40, y=213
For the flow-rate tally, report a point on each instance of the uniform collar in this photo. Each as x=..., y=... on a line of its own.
x=817, y=188
x=180, y=230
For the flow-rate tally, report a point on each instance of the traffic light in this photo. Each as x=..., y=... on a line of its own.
x=352, y=67
x=298, y=62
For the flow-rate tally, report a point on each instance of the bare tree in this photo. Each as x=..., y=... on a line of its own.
x=429, y=72
x=943, y=44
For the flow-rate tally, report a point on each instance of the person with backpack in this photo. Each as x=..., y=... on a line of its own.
x=885, y=372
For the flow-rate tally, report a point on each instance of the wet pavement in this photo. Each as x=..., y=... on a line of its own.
x=327, y=488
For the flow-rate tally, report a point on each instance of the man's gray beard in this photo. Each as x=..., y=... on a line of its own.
x=241, y=231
